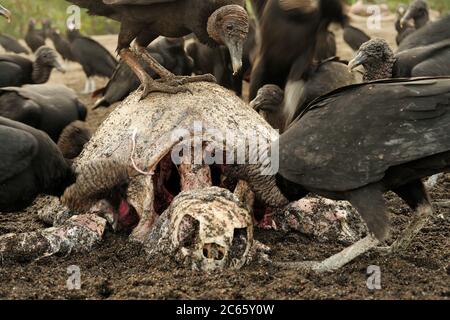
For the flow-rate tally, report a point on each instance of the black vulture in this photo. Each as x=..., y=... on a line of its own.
x=217, y=61
x=30, y=164
x=12, y=45
x=73, y=139
x=212, y=21
x=354, y=37
x=380, y=62
x=34, y=38
x=17, y=70
x=5, y=13
x=46, y=28
x=95, y=59
x=289, y=33
x=269, y=103
x=49, y=108
x=281, y=108
x=431, y=33
x=418, y=12
x=403, y=28
x=359, y=142
x=61, y=45
x=168, y=52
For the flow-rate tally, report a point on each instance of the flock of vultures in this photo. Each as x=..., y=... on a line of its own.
x=397, y=107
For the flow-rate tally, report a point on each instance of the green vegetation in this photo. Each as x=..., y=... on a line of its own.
x=23, y=10
x=442, y=6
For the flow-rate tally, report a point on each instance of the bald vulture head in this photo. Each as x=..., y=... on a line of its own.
x=5, y=13
x=97, y=180
x=418, y=11
x=269, y=98
x=229, y=26
x=269, y=101
x=376, y=57
x=47, y=57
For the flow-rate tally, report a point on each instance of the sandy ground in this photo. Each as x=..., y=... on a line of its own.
x=117, y=269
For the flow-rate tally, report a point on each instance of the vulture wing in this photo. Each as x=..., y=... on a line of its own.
x=350, y=137
x=430, y=60
x=17, y=150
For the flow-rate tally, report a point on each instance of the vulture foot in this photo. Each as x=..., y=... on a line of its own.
x=149, y=85
x=421, y=218
x=166, y=75
x=178, y=81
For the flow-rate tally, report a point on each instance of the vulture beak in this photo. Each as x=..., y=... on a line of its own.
x=6, y=13
x=358, y=60
x=406, y=17
x=59, y=67
x=257, y=103
x=99, y=103
x=236, y=49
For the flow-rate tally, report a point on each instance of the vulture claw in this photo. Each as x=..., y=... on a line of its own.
x=160, y=87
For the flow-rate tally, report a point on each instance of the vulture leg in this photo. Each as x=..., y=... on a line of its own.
x=92, y=85
x=148, y=85
x=194, y=176
x=86, y=87
x=168, y=77
x=335, y=261
x=416, y=196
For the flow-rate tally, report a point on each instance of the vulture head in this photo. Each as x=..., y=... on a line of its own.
x=269, y=103
x=104, y=179
x=31, y=24
x=269, y=99
x=47, y=57
x=5, y=13
x=229, y=26
x=73, y=138
x=377, y=58
x=418, y=9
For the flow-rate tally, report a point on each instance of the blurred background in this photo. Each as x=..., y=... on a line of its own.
x=55, y=10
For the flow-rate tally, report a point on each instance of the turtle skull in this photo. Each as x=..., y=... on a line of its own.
x=207, y=229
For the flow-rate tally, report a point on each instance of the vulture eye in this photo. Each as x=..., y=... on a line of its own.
x=229, y=27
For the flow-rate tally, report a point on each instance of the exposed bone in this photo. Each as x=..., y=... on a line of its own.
x=143, y=203
x=79, y=233
x=206, y=229
x=194, y=176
